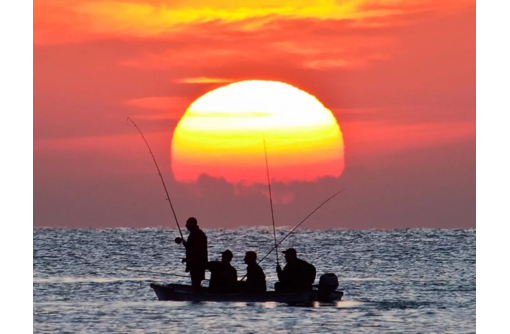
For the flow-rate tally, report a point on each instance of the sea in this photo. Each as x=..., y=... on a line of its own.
x=394, y=281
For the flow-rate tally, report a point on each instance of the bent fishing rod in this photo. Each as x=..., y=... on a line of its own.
x=160, y=176
x=272, y=249
x=271, y=201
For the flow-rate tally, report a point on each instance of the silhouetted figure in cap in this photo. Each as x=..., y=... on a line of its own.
x=223, y=275
x=297, y=275
x=196, y=253
x=255, y=277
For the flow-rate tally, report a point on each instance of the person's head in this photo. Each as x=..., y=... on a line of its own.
x=191, y=223
x=250, y=257
x=226, y=256
x=290, y=255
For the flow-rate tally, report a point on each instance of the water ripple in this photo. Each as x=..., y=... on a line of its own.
x=405, y=281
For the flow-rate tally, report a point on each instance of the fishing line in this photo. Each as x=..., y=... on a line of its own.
x=160, y=176
x=271, y=201
x=331, y=197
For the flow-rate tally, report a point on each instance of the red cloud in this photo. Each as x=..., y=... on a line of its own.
x=348, y=47
x=162, y=107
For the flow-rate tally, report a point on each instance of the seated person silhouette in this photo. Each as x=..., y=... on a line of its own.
x=255, y=277
x=223, y=275
x=297, y=275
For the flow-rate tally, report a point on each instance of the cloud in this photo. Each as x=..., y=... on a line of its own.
x=202, y=80
x=159, y=102
x=150, y=19
x=351, y=48
x=429, y=75
x=71, y=21
x=428, y=187
x=162, y=107
x=402, y=86
x=372, y=140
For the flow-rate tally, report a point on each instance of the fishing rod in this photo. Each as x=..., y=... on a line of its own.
x=160, y=176
x=331, y=197
x=271, y=201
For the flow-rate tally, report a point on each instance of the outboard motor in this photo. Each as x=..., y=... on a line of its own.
x=328, y=283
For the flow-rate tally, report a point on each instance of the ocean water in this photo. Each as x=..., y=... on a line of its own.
x=399, y=281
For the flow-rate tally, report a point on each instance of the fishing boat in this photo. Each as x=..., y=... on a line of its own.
x=179, y=292
x=324, y=292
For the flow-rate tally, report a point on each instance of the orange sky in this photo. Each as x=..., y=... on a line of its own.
x=399, y=76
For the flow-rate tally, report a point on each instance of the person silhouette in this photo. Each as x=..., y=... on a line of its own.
x=297, y=275
x=255, y=277
x=196, y=253
x=223, y=275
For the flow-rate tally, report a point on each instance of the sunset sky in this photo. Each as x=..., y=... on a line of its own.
x=399, y=77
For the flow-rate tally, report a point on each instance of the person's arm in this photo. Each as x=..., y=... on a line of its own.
x=185, y=243
x=212, y=265
x=234, y=274
x=206, y=255
x=262, y=276
x=281, y=274
x=249, y=274
x=202, y=248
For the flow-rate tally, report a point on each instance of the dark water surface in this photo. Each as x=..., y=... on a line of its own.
x=401, y=281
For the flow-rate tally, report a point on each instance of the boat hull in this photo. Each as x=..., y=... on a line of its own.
x=178, y=292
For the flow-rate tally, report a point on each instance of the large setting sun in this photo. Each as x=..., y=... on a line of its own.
x=222, y=135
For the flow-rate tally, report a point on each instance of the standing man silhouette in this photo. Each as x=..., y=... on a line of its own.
x=196, y=253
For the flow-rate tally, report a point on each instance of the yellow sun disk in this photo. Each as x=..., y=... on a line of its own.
x=221, y=135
